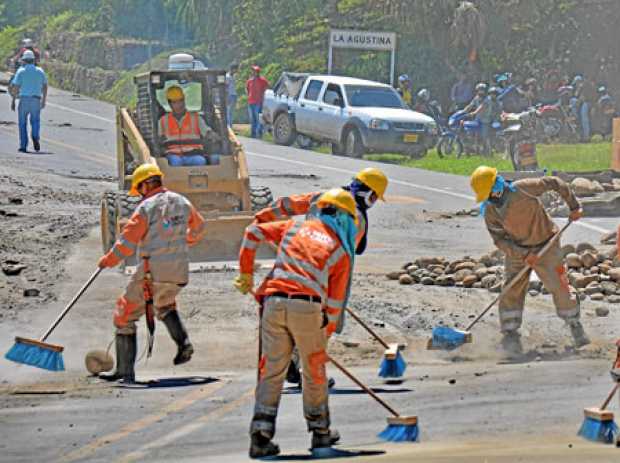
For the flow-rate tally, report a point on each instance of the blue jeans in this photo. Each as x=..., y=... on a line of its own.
x=177, y=160
x=257, y=127
x=582, y=113
x=230, y=109
x=28, y=106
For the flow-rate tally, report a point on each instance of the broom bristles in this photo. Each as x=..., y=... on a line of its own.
x=392, y=368
x=400, y=433
x=447, y=338
x=36, y=356
x=598, y=431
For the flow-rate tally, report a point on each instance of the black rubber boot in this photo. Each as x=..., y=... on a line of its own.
x=511, y=343
x=179, y=335
x=327, y=438
x=126, y=347
x=36, y=144
x=292, y=375
x=261, y=446
x=579, y=335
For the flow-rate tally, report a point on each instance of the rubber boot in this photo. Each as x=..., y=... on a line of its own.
x=579, y=335
x=292, y=375
x=126, y=347
x=511, y=343
x=179, y=335
x=261, y=446
x=324, y=438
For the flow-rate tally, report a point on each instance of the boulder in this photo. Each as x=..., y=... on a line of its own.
x=594, y=270
x=465, y=265
x=601, y=311
x=614, y=274
x=488, y=281
x=405, y=279
x=481, y=272
x=573, y=261
x=424, y=262
x=615, y=299
x=584, y=187
x=583, y=247
x=585, y=280
x=593, y=288
x=395, y=275
x=598, y=297
x=496, y=288
x=568, y=249
x=461, y=274
x=469, y=281
x=589, y=259
x=406, y=265
x=487, y=260
x=412, y=268
x=608, y=288
x=445, y=280
x=438, y=270
x=604, y=268
x=478, y=285
x=428, y=281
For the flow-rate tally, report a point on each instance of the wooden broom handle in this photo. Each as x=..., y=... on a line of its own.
x=367, y=328
x=519, y=275
x=71, y=304
x=610, y=396
x=363, y=386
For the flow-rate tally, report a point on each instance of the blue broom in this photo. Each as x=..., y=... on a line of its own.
x=392, y=365
x=400, y=428
x=448, y=338
x=38, y=353
x=598, y=424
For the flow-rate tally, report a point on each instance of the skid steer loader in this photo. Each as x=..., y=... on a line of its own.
x=220, y=190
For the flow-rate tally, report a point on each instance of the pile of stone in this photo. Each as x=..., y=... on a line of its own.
x=593, y=273
x=583, y=188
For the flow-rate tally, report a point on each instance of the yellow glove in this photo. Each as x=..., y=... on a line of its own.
x=244, y=282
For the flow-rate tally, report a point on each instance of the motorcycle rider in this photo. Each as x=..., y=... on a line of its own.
x=481, y=94
x=488, y=112
x=27, y=44
x=424, y=105
x=404, y=89
x=604, y=112
x=509, y=94
x=581, y=104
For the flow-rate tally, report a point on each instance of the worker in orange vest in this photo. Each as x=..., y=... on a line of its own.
x=159, y=231
x=302, y=297
x=184, y=132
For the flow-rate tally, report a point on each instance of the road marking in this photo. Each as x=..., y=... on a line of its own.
x=581, y=223
x=142, y=423
x=195, y=425
x=81, y=113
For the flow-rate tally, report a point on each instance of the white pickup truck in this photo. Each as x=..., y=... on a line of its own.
x=355, y=116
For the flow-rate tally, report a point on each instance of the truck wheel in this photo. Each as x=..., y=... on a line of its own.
x=108, y=220
x=261, y=197
x=284, y=132
x=353, y=144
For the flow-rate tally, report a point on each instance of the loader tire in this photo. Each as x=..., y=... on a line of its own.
x=108, y=220
x=261, y=197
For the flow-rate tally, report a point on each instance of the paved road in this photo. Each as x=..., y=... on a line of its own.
x=490, y=414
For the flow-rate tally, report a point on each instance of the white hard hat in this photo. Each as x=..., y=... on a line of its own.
x=28, y=55
x=27, y=42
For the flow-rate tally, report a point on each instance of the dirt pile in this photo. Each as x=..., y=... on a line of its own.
x=592, y=273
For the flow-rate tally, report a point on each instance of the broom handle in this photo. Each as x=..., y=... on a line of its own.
x=367, y=328
x=610, y=396
x=363, y=386
x=519, y=275
x=71, y=304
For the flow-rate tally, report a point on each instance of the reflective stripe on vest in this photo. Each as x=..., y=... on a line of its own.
x=188, y=131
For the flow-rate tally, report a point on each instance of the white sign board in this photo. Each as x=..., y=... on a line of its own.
x=363, y=40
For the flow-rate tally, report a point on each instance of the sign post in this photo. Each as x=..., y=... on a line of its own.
x=362, y=40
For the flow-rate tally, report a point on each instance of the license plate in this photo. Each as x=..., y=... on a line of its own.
x=410, y=137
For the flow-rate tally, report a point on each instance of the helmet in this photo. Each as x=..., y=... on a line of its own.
x=27, y=43
x=504, y=77
x=403, y=78
x=481, y=86
x=424, y=94
x=601, y=90
x=494, y=91
x=531, y=81
x=565, y=90
x=374, y=179
x=577, y=79
x=256, y=67
x=340, y=199
x=142, y=173
x=28, y=55
x=482, y=181
x=175, y=93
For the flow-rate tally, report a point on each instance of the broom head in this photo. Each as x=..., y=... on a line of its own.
x=598, y=426
x=37, y=354
x=401, y=429
x=393, y=365
x=445, y=338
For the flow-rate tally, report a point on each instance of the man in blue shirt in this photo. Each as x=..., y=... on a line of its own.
x=30, y=84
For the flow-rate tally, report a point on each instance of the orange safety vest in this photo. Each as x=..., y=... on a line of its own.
x=310, y=261
x=188, y=131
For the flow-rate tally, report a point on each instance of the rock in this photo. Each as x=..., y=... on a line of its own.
x=573, y=261
x=496, y=269
x=614, y=274
x=608, y=288
x=488, y=281
x=594, y=270
x=481, y=272
x=589, y=259
x=350, y=343
x=583, y=247
x=424, y=262
x=435, y=267
x=31, y=292
x=469, y=281
x=584, y=187
x=438, y=271
x=533, y=292
x=412, y=268
x=579, y=280
x=395, y=275
x=461, y=274
x=593, y=288
x=477, y=285
x=427, y=281
x=445, y=280
x=12, y=269
x=487, y=260
x=496, y=288
x=601, y=311
x=452, y=381
x=598, y=297
x=568, y=249
x=465, y=265
x=406, y=265
x=604, y=268
x=16, y=201
x=615, y=299
x=405, y=279
x=611, y=253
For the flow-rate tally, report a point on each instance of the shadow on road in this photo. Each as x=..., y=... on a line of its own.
x=159, y=383
x=351, y=391
x=323, y=454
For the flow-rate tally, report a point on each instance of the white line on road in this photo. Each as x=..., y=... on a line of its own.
x=82, y=113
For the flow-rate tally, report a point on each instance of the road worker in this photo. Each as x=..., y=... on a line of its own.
x=520, y=226
x=368, y=186
x=302, y=298
x=159, y=232
x=184, y=132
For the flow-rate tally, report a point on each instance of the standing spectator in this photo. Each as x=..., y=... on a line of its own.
x=404, y=89
x=255, y=88
x=232, y=93
x=582, y=102
x=30, y=84
x=462, y=92
x=530, y=92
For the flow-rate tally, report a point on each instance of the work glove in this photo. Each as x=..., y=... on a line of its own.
x=532, y=259
x=244, y=282
x=575, y=215
x=106, y=262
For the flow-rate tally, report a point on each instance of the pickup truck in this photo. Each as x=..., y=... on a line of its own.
x=354, y=116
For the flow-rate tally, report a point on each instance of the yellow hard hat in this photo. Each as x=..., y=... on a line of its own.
x=341, y=199
x=482, y=181
x=374, y=179
x=142, y=173
x=175, y=93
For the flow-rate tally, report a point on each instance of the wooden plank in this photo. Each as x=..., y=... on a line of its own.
x=403, y=420
x=34, y=342
x=391, y=352
x=598, y=414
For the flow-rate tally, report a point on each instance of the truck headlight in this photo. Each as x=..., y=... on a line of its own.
x=378, y=124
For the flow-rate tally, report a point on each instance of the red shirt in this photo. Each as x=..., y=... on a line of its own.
x=255, y=88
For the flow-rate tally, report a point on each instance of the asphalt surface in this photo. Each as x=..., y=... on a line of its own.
x=469, y=411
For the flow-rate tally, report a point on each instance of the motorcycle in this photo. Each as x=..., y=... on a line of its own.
x=463, y=135
x=519, y=135
x=556, y=122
